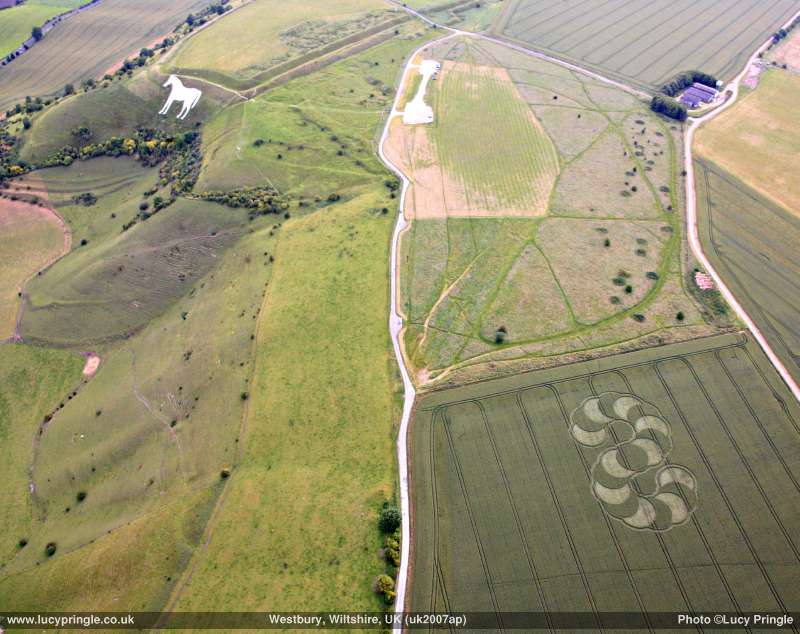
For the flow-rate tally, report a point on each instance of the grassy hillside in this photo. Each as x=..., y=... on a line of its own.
x=111, y=288
x=300, y=516
x=311, y=136
x=30, y=238
x=757, y=140
x=87, y=45
x=115, y=110
x=146, y=441
x=32, y=382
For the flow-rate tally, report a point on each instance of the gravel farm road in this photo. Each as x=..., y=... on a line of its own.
x=396, y=323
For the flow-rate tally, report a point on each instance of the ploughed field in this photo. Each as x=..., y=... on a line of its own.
x=17, y=22
x=646, y=42
x=752, y=243
x=87, y=45
x=663, y=480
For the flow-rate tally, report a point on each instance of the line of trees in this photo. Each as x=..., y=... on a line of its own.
x=669, y=107
x=686, y=79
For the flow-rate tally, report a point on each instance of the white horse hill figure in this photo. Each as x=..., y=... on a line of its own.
x=189, y=97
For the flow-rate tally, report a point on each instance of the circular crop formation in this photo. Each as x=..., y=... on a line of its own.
x=632, y=478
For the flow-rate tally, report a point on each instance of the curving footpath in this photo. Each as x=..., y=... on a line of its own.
x=691, y=220
x=396, y=330
x=396, y=323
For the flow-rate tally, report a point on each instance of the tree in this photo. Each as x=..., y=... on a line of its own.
x=669, y=107
x=36, y=33
x=69, y=89
x=390, y=519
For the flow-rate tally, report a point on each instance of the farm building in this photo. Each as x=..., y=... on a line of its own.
x=697, y=94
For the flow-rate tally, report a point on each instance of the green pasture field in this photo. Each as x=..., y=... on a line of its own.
x=242, y=50
x=312, y=136
x=752, y=243
x=32, y=380
x=601, y=270
x=300, y=517
x=30, y=237
x=17, y=22
x=146, y=440
x=646, y=43
x=173, y=406
x=87, y=45
x=534, y=492
x=758, y=139
x=114, y=110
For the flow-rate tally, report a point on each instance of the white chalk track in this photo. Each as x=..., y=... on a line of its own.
x=396, y=320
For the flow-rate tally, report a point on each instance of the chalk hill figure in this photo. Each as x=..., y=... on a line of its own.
x=188, y=96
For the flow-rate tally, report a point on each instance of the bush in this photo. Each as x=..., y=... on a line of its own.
x=22, y=543
x=244, y=396
x=392, y=548
x=651, y=275
x=500, y=335
x=607, y=243
x=629, y=289
x=50, y=549
x=680, y=316
x=81, y=496
x=639, y=317
x=384, y=585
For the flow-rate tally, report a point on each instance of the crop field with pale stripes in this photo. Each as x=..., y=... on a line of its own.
x=660, y=480
x=646, y=42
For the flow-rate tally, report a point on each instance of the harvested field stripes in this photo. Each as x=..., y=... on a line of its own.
x=711, y=391
x=731, y=512
x=751, y=240
x=647, y=42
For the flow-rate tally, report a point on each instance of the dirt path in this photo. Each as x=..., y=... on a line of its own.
x=396, y=329
x=691, y=219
